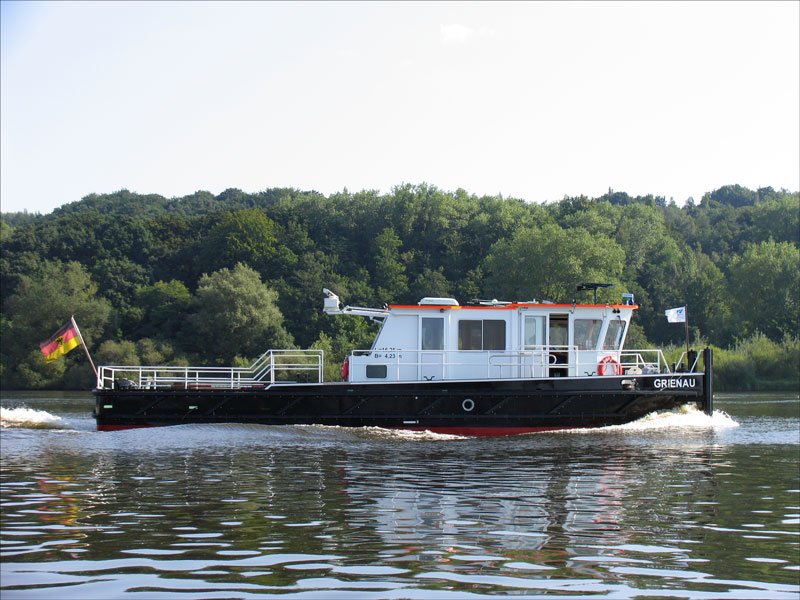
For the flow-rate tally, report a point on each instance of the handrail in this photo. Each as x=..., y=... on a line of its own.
x=276, y=367
x=272, y=367
x=693, y=367
x=533, y=361
x=658, y=365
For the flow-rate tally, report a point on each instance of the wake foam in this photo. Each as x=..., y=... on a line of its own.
x=29, y=418
x=685, y=417
x=409, y=434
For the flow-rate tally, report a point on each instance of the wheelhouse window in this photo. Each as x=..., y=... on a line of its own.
x=614, y=335
x=494, y=335
x=432, y=333
x=586, y=333
x=488, y=334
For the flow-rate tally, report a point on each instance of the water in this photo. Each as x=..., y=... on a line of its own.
x=680, y=505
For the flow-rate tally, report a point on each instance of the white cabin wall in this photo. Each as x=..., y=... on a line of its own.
x=475, y=364
x=400, y=332
x=397, y=345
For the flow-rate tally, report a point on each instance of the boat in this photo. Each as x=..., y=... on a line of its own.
x=485, y=368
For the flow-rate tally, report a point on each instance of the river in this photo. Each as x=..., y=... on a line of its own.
x=674, y=506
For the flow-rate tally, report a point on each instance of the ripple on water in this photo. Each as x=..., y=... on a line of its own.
x=240, y=511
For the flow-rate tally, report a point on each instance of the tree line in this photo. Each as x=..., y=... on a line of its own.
x=208, y=279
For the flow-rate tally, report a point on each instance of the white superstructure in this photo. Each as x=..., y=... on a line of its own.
x=439, y=339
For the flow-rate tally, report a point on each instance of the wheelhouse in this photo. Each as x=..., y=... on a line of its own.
x=439, y=339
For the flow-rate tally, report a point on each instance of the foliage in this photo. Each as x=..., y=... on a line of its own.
x=222, y=278
x=765, y=281
x=235, y=314
x=758, y=363
x=163, y=307
x=243, y=236
x=41, y=304
x=389, y=273
x=732, y=195
x=547, y=262
x=112, y=352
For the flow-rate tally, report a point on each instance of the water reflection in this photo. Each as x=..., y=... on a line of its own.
x=238, y=510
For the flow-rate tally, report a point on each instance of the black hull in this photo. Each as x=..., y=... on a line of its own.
x=468, y=407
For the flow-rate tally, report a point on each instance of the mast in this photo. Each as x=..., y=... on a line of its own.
x=83, y=343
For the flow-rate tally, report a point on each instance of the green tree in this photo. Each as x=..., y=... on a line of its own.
x=164, y=306
x=715, y=256
x=112, y=352
x=42, y=302
x=764, y=289
x=431, y=282
x=118, y=280
x=244, y=236
x=640, y=231
x=301, y=295
x=548, y=262
x=778, y=219
x=236, y=314
x=389, y=273
x=5, y=230
x=157, y=352
x=716, y=228
x=596, y=218
x=732, y=195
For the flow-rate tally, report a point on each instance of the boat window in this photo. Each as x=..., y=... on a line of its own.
x=534, y=331
x=432, y=333
x=614, y=335
x=482, y=335
x=559, y=334
x=586, y=333
x=376, y=371
x=494, y=335
x=470, y=335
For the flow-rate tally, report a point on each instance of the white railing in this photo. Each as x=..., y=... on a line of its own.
x=651, y=360
x=272, y=367
x=532, y=362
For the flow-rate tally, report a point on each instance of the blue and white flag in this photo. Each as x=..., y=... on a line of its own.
x=676, y=315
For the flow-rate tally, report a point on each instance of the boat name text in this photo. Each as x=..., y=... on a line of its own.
x=661, y=384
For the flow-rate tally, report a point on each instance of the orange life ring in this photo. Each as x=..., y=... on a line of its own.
x=345, y=370
x=608, y=365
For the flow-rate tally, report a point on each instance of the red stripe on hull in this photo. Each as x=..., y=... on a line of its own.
x=121, y=427
x=460, y=431
x=484, y=431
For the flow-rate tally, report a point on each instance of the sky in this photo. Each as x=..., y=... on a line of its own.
x=536, y=100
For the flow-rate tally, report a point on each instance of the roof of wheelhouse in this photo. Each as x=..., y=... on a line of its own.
x=502, y=305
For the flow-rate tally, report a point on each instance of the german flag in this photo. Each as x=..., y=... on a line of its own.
x=62, y=341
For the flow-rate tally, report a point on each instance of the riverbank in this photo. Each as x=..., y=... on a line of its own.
x=758, y=364
x=755, y=364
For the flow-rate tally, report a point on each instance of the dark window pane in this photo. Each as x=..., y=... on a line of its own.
x=470, y=335
x=494, y=335
x=376, y=371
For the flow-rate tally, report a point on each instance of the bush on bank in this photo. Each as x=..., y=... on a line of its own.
x=752, y=364
x=758, y=364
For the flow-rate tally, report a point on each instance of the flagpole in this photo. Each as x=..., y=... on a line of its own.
x=686, y=326
x=85, y=349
